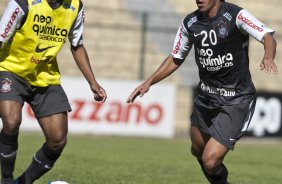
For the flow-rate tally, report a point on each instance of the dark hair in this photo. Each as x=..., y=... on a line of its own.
x=222, y=0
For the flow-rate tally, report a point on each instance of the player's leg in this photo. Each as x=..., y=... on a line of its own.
x=202, y=143
x=13, y=91
x=226, y=129
x=10, y=112
x=55, y=128
x=212, y=162
x=199, y=141
x=50, y=105
x=200, y=123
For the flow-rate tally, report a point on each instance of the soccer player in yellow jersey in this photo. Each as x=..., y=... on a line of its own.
x=32, y=33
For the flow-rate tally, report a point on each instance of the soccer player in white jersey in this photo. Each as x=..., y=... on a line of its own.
x=225, y=102
x=32, y=33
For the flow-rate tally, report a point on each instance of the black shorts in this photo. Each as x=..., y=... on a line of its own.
x=44, y=101
x=226, y=124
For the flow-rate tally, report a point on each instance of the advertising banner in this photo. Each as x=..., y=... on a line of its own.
x=153, y=115
x=267, y=118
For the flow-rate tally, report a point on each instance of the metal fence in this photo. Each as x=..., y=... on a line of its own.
x=145, y=37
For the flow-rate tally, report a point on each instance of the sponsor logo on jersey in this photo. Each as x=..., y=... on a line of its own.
x=214, y=63
x=10, y=23
x=192, y=21
x=36, y=61
x=217, y=91
x=38, y=50
x=178, y=44
x=228, y=16
x=249, y=23
x=45, y=31
x=68, y=6
x=6, y=85
x=36, y=2
x=196, y=35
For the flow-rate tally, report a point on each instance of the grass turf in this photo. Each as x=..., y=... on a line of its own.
x=91, y=159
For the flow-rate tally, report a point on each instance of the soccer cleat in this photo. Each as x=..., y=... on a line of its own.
x=7, y=181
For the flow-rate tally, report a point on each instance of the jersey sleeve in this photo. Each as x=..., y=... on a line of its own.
x=247, y=23
x=11, y=20
x=75, y=36
x=182, y=44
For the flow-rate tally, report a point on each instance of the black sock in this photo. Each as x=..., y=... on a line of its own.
x=8, y=153
x=219, y=178
x=42, y=161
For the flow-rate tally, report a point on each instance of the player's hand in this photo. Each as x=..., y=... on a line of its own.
x=139, y=91
x=100, y=94
x=268, y=66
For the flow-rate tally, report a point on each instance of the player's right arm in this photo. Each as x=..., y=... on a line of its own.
x=181, y=49
x=167, y=67
x=12, y=19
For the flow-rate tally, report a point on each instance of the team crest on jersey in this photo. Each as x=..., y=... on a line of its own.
x=222, y=29
x=6, y=85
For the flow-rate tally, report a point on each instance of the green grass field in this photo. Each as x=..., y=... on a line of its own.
x=126, y=160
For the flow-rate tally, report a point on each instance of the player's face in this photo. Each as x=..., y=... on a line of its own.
x=205, y=6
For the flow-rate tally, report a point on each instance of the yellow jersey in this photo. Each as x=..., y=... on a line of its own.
x=32, y=50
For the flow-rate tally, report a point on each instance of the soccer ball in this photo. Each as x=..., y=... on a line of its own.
x=58, y=182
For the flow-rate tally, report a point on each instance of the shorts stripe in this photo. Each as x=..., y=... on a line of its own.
x=247, y=122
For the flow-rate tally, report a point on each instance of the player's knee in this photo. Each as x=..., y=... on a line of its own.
x=11, y=125
x=211, y=164
x=57, y=144
x=11, y=130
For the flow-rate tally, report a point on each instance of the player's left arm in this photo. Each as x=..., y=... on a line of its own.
x=81, y=57
x=248, y=24
x=268, y=64
x=181, y=48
